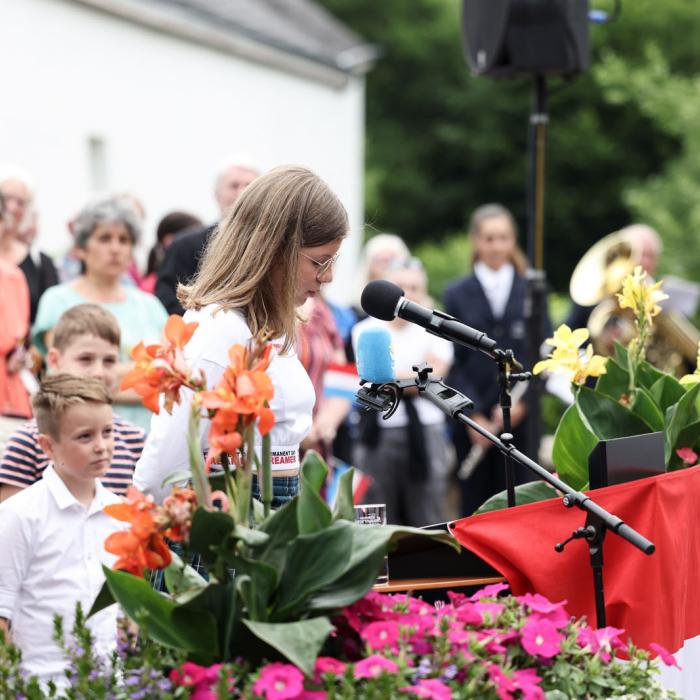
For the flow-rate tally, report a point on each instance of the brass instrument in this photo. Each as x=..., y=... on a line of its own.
x=598, y=276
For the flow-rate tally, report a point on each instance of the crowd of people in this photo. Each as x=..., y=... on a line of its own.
x=83, y=313
x=67, y=328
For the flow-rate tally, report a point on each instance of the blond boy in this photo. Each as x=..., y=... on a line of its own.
x=52, y=533
x=86, y=343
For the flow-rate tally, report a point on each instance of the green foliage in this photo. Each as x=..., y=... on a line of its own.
x=273, y=587
x=524, y=493
x=440, y=141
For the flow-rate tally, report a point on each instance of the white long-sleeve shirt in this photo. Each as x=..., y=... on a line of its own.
x=165, y=451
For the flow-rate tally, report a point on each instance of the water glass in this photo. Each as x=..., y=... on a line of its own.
x=372, y=515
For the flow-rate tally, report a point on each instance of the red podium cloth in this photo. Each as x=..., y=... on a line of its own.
x=652, y=597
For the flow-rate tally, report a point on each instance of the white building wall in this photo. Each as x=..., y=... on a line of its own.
x=166, y=112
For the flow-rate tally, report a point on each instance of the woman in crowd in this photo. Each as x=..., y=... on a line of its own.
x=492, y=300
x=14, y=328
x=406, y=456
x=273, y=251
x=105, y=234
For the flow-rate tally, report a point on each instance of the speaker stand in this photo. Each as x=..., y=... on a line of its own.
x=536, y=294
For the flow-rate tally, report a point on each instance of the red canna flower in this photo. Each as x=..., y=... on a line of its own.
x=161, y=369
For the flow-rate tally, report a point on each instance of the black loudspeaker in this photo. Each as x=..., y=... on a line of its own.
x=506, y=38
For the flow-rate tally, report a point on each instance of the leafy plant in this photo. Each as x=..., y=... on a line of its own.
x=274, y=577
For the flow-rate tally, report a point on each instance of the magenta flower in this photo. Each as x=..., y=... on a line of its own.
x=687, y=455
x=586, y=638
x=327, y=664
x=311, y=695
x=202, y=692
x=374, y=666
x=608, y=638
x=538, y=603
x=527, y=682
x=489, y=591
x=541, y=638
x=491, y=609
x=665, y=654
x=430, y=688
x=469, y=614
x=191, y=675
x=505, y=685
x=279, y=681
x=383, y=634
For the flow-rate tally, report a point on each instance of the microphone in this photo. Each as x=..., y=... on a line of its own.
x=375, y=360
x=386, y=301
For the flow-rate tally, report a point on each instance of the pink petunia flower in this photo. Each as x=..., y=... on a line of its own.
x=541, y=638
x=687, y=455
x=430, y=688
x=279, y=681
x=327, y=664
x=202, y=692
x=374, y=666
x=586, y=638
x=505, y=685
x=493, y=610
x=527, y=682
x=608, y=638
x=538, y=603
x=469, y=614
x=490, y=591
x=382, y=635
x=665, y=654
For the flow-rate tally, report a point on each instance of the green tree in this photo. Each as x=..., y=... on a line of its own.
x=440, y=141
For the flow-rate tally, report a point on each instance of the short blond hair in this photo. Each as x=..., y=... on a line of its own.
x=280, y=212
x=58, y=393
x=85, y=319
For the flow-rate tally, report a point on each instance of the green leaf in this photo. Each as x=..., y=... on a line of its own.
x=681, y=424
x=177, y=477
x=104, y=600
x=615, y=382
x=314, y=561
x=281, y=526
x=524, y=493
x=607, y=418
x=181, y=580
x=648, y=375
x=161, y=619
x=344, y=506
x=313, y=513
x=648, y=410
x=369, y=547
x=620, y=355
x=300, y=642
x=263, y=579
x=253, y=538
x=666, y=391
x=218, y=600
x=210, y=528
x=573, y=442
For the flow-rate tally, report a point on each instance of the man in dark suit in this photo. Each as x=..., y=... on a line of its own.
x=182, y=257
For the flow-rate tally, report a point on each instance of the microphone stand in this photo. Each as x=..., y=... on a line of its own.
x=386, y=397
x=506, y=379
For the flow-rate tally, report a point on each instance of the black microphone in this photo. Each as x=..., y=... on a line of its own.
x=385, y=300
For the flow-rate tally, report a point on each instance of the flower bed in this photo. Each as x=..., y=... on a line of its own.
x=387, y=646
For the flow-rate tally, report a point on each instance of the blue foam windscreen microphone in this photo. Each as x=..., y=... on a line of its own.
x=375, y=360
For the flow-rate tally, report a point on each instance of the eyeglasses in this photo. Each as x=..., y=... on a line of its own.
x=322, y=267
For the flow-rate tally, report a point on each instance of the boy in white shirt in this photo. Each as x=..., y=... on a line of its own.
x=52, y=533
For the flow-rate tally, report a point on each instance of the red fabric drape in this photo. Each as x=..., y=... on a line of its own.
x=653, y=598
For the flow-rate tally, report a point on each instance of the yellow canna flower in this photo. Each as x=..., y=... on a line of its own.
x=567, y=359
x=642, y=298
x=694, y=378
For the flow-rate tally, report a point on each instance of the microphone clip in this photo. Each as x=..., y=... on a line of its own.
x=382, y=397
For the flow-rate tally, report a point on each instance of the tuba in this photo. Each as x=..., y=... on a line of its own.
x=599, y=274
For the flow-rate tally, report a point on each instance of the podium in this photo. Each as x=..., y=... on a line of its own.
x=651, y=597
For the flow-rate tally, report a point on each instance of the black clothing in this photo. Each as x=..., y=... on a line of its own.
x=180, y=265
x=39, y=278
x=476, y=375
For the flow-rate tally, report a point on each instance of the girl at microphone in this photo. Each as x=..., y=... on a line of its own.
x=406, y=456
x=492, y=300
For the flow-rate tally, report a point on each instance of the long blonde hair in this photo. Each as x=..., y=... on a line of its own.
x=278, y=213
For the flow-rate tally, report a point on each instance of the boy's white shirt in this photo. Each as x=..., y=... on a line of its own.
x=52, y=556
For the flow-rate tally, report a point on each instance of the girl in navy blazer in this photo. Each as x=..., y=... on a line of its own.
x=492, y=300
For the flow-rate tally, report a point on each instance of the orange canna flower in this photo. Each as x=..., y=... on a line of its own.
x=161, y=369
x=142, y=546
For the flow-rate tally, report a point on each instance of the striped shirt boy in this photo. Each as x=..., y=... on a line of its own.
x=23, y=461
